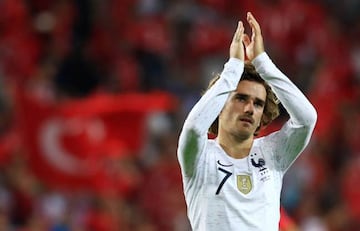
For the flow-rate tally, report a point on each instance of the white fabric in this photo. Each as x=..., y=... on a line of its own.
x=249, y=198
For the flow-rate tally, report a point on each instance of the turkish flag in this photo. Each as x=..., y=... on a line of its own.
x=65, y=141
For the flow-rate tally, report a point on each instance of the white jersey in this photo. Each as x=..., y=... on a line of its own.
x=223, y=193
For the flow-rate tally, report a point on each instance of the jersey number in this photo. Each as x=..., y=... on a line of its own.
x=227, y=175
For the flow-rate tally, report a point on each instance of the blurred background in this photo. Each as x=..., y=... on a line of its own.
x=93, y=94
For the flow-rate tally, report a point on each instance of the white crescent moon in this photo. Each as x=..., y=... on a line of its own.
x=50, y=146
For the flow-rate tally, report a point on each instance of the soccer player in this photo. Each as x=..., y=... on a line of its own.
x=233, y=182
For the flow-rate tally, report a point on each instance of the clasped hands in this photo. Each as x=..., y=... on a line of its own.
x=242, y=45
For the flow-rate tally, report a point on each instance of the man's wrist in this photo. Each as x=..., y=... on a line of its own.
x=258, y=60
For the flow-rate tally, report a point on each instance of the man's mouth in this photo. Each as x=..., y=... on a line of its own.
x=247, y=120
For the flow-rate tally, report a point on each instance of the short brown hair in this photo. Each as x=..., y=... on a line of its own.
x=271, y=108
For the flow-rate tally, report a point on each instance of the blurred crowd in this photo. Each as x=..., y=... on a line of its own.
x=61, y=51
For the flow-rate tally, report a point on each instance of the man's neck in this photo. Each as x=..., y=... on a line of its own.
x=236, y=147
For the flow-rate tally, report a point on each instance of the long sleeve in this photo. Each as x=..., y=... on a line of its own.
x=193, y=136
x=293, y=137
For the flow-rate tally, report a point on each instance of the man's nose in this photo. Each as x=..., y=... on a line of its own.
x=249, y=108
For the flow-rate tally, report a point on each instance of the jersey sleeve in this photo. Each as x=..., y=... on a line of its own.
x=193, y=136
x=292, y=138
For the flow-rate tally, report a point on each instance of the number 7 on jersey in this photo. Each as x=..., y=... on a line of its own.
x=227, y=175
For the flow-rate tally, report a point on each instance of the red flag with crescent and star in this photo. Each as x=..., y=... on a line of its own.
x=64, y=141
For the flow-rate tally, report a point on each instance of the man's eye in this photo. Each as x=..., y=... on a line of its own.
x=259, y=104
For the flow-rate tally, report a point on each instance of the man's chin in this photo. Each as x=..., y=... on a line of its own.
x=244, y=134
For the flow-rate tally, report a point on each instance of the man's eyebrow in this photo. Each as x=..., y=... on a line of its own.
x=262, y=102
x=241, y=94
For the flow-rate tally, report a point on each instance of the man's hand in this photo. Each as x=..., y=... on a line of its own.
x=237, y=46
x=255, y=45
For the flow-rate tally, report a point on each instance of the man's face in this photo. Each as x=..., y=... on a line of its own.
x=243, y=110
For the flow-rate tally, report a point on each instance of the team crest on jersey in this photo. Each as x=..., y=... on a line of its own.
x=244, y=183
x=258, y=162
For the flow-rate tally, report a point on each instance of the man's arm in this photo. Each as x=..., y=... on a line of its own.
x=193, y=136
x=291, y=140
x=295, y=102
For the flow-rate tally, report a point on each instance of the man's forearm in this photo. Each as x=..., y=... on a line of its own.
x=295, y=102
x=211, y=103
